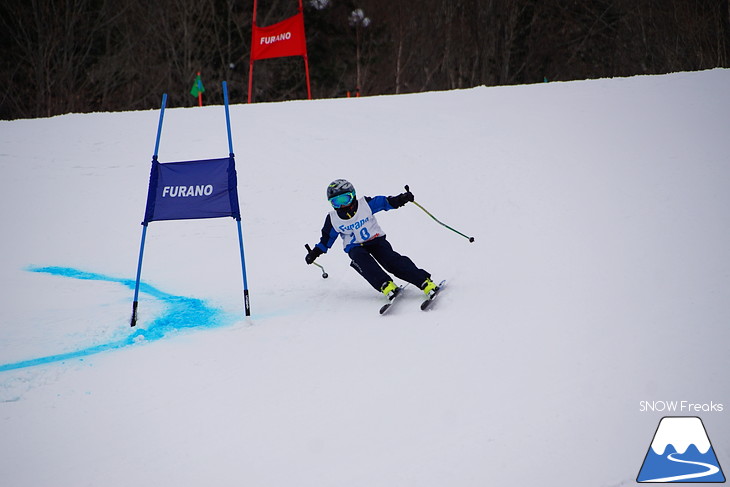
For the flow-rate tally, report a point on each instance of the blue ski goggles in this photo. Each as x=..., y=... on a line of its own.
x=344, y=199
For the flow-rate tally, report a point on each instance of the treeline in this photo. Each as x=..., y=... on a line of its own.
x=61, y=56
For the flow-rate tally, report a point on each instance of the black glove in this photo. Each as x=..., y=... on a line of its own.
x=313, y=254
x=404, y=198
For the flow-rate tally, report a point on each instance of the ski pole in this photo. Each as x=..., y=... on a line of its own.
x=324, y=274
x=471, y=239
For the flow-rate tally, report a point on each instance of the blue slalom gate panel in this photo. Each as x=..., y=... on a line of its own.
x=192, y=189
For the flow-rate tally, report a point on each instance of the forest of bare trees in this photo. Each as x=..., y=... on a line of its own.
x=61, y=56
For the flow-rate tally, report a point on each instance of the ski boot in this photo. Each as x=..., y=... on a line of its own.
x=390, y=290
x=429, y=287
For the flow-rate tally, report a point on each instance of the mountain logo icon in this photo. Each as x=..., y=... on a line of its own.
x=681, y=452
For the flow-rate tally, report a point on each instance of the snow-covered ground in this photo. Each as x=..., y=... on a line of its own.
x=599, y=279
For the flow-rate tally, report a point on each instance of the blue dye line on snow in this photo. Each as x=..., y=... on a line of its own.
x=182, y=312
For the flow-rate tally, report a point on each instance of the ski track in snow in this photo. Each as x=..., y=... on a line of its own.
x=182, y=312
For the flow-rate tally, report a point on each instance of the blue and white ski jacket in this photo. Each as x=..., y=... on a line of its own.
x=362, y=227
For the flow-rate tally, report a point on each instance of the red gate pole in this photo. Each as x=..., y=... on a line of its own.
x=306, y=70
x=200, y=91
x=250, y=64
x=306, y=57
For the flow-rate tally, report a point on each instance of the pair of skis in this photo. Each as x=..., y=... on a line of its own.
x=425, y=305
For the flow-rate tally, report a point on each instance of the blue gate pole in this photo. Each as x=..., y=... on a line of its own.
x=228, y=118
x=144, y=224
x=246, y=302
x=139, y=272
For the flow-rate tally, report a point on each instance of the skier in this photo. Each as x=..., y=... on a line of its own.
x=364, y=241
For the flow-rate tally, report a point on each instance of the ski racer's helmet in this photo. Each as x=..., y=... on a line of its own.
x=341, y=193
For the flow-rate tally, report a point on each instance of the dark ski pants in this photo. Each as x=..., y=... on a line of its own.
x=368, y=258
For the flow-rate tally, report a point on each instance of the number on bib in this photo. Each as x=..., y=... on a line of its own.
x=364, y=235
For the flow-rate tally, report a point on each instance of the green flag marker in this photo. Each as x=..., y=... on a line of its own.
x=197, y=87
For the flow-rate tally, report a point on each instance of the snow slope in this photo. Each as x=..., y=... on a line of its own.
x=599, y=278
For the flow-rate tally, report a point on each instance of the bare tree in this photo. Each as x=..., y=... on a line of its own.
x=61, y=56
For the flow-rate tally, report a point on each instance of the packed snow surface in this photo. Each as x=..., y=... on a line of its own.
x=599, y=278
